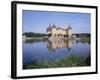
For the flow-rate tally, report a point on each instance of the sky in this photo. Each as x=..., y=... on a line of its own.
x=38, y=21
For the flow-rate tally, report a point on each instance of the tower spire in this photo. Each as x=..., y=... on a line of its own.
x=69, y=27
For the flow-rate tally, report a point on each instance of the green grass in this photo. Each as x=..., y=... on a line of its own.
x=71, y=61
x=84, y=40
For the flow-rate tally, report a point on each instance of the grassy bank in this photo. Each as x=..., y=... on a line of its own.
x=38, y=38
x=86, y=39
x=71, y=61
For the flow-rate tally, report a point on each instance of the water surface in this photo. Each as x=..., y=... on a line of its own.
x=51, y=53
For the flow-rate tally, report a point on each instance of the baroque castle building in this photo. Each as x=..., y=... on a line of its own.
x=55, y=31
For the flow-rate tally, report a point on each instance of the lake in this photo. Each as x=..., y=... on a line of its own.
x=54, y=54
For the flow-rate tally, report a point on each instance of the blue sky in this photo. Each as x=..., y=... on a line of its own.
x=38, y=21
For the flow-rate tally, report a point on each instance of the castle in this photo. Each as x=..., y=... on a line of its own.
x=55, y=31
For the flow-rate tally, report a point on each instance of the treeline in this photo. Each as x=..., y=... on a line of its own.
x=32, y=34
x=82, y=35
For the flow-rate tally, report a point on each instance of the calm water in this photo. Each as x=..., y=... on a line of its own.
x=35, y=52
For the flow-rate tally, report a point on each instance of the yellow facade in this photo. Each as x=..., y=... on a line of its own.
x=55, y=31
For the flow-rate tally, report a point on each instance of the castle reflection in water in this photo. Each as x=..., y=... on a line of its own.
x=57, y=44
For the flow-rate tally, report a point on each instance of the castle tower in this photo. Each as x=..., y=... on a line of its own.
x=69, y=31
x=48, y=31
x=53, y=31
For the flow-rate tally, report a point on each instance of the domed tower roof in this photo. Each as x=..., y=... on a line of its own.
x=53, y=26
x=58, y=28
x=49, y=28
x=69, y=27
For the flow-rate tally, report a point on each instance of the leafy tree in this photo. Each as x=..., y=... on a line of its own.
x=32, y=34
